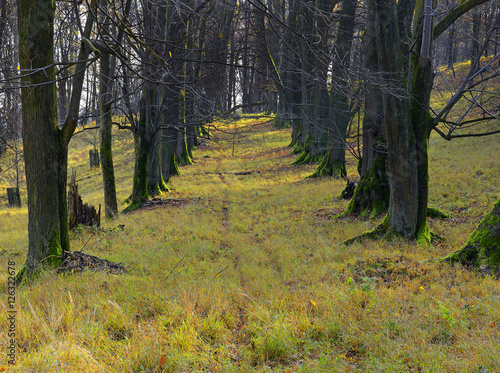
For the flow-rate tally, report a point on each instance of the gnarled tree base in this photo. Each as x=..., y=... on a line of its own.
x=281, y=123
x=328, y=168
x=482, y=249
x=435, y=213
x=371, y=196
x=383, y=231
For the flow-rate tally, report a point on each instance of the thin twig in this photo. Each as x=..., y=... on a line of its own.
x=179, y=262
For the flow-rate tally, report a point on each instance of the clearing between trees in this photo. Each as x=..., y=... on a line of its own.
x=244, y=271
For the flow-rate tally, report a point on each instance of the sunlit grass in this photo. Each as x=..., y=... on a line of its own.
x=249, y=275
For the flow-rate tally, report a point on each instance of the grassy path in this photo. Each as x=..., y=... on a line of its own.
x=247, y=275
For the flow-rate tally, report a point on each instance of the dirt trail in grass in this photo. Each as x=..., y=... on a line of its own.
x=225, y=226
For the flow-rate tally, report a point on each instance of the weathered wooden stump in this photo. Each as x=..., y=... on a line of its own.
x=81, y=213
x=14, y=197
x=95, y=161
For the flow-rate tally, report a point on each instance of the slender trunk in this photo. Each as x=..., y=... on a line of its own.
x=107, y=76
x=142, y=145
x=107, y=167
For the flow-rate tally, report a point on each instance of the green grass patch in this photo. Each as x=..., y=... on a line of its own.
x=248, y=275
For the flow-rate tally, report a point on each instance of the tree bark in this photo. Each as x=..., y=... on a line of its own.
x=45, y=152
x=107, y=166
x=337, y=117
x=402, y=214
x=482, y=249
x=45, y=143
x=140, y=178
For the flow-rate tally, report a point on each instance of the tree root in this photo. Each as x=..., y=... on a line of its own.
x=303, y=158
x=424, y=237
x=436, y=213
x=382, y=231
x=280, y=123
x=326, y=168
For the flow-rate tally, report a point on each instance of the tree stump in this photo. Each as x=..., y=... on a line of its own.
x=95, y=161
x=14, y=197
x=81, y=213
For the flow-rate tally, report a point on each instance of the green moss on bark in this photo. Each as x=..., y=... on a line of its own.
x=280, y=123
x=371, y=196
x=482, y=249
x=297, y=149
x=436, y=213
x=303, y=158
x=305, y=155
x=329, y=168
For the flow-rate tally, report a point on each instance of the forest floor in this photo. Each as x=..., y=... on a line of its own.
x=243, y=271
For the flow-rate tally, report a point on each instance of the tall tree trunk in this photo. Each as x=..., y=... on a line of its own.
x=45, y=143
x=333, y=163
x=401, y=143
x=107, y=166
x=406, y=98
x=142, y=146
x=107, y=76
x=371, y=196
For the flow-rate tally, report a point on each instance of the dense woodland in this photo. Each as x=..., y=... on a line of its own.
x=369, y=81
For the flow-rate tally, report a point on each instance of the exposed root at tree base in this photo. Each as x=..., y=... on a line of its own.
x=383, y=231
x=435, y=213
x=77, y=261
x=156, y=202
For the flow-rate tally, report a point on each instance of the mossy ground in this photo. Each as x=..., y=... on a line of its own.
x=250, y=275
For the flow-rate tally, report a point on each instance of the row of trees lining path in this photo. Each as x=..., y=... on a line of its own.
x=169, y=67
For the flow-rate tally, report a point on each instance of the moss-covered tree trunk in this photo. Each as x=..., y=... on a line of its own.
x=401, y=143
x=338, y=114
x=406, y=96
x=45, y=143
x=106, y=121
x=170, y=137
x=156, y=184
x=406, y=120
x=45, y=152
x=140, y=178
x=482, y=248
x=371, y=196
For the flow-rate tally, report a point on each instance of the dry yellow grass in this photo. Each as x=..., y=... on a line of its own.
x=250, y=276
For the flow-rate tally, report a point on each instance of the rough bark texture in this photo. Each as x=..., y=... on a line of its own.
x=140, y=179
x=107, y=166
x=401, y=143
x=482, y=249
x=421, y=120
x=338, y=115
x=372, y=193
x=45, y=144
x=371, y=196
x=45, y=151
